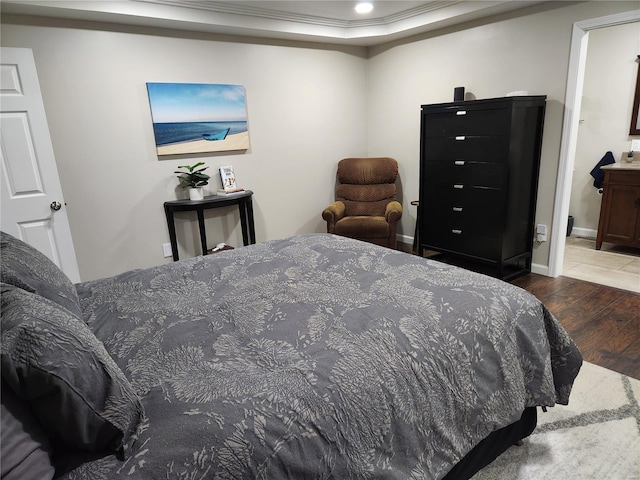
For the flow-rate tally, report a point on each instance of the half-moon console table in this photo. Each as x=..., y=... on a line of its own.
x=242, y=199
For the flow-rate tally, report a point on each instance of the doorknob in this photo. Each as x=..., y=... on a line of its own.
x=55, y=206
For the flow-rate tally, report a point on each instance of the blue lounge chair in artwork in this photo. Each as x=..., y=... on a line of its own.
x=219, y=135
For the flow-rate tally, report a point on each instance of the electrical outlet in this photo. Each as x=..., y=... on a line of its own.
x=541, y=233
x=166, y=250
x=635, y=145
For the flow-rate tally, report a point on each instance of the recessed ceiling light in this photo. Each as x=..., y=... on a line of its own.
x=364, y=7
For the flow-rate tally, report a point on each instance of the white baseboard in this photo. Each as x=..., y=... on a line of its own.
x=584, y=232
x=540, y=269
x=404, y=239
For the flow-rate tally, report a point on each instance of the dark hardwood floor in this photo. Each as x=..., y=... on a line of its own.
x=603, y=321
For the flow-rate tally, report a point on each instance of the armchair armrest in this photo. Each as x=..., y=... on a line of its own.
x=332, y=214
x=393, y=212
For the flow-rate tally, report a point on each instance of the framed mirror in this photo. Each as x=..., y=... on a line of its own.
x=635, y=118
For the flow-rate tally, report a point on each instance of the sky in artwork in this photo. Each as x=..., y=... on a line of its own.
x=196, y=102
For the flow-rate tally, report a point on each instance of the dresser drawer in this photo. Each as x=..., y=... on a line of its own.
x=463, y=121
x=466, y=173
x=493, y=149
x=465, y=218
x=476, y=244
x=479, y=211
x=449, y=195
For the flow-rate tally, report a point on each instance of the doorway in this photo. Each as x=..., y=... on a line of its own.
x=573, y=99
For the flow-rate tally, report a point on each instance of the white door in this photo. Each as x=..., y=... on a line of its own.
x=32, y=207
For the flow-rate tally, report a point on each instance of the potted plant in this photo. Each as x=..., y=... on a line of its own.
x=193, y=179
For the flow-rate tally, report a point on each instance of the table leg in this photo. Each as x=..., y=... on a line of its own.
x=416, y=234
x=203, y=236
x=252, y=227
x=243, y=222
x=172, y=233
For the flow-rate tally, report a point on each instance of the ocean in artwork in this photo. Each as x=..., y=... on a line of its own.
x=178, y=132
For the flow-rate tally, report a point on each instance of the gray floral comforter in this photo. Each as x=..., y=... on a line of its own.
x=320, y=357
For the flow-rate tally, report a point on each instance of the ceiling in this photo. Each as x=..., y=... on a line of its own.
x=325, y=21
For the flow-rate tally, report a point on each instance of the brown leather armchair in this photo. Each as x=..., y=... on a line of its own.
x=365, y=206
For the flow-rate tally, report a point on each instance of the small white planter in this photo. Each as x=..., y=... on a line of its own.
x=196, y=193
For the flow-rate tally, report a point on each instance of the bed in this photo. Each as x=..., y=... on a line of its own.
x=311, y=357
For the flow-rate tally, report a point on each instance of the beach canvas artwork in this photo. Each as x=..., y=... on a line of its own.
x=198, y=118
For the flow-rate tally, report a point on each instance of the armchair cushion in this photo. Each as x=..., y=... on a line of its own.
x=367, y=171
x=363, y=227
x=366, y=199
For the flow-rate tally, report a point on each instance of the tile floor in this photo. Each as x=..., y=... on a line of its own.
x=612, y=265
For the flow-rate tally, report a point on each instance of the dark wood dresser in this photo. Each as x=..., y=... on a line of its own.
x=620, y=208
x=479, y=165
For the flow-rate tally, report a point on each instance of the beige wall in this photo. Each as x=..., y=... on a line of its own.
x=607, y=100
x=528, y=51
x=308, y=106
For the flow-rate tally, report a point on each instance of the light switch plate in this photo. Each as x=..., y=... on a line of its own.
x=166, y=250
x=635, y=145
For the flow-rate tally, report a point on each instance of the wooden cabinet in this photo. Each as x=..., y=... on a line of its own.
x=620, y=208
x=479, y=165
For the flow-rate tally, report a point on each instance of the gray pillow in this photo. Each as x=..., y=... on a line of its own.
x=75, y=389
x=27, y=268
x=26, y=451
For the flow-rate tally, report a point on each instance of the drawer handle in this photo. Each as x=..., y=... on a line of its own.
x=459, y=162
x=460, y=137
x=461, y=112
x=457, y=209
x=459, y=186
x=456, y=231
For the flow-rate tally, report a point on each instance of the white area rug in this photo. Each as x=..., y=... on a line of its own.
x=597, y=436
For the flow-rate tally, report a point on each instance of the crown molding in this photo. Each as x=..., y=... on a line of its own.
x=249, y=19
x=289, y=16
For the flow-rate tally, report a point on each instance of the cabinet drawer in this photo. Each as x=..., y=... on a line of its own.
x=493, y=149
x=468, y=173
x=621, y=177
x=462, y=121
